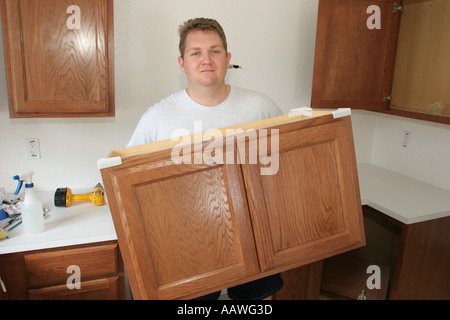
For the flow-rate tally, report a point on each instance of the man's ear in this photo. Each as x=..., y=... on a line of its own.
x=181, y=63
x=228, y=59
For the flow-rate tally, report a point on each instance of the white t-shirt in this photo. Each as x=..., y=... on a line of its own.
x=179, y=115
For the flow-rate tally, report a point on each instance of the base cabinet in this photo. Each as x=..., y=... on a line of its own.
x=87, y=272
x=413, y=261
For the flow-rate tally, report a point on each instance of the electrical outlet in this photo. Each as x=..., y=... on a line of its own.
x=33, y=148
x=406, y=136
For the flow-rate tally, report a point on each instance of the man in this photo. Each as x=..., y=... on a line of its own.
x=205, y=60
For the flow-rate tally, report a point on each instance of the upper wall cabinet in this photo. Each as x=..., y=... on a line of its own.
x=384, y=55
x=59, y=57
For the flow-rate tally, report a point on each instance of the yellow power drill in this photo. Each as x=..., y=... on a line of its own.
x=64, y=196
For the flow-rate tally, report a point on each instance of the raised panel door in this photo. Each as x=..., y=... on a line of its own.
x=182, y=228
x=311, y=208
x=353, y=64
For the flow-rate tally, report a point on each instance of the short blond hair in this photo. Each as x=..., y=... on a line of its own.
x=202, y=24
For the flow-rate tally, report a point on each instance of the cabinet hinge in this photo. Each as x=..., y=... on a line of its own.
x=386, y=97
x=397, y=7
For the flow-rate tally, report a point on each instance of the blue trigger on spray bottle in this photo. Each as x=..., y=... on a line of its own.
x=19, y=185
x=32, y=210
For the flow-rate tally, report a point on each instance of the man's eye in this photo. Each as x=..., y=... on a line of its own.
x=195, y=53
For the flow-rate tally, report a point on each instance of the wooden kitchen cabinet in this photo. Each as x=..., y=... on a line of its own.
x=396, y=69
x=43, y=274
x=189, y=229
x=59, y=57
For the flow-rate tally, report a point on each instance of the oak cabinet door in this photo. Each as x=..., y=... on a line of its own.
x=311, y=208
x=59, y=57
x=353, y=64
x=182, y=228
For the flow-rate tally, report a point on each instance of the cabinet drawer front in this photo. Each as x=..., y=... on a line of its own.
x=98, y=289
x=51, y=267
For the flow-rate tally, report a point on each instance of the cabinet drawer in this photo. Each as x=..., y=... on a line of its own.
x=49, y=268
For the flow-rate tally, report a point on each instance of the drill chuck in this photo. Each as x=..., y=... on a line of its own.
x=60, y=197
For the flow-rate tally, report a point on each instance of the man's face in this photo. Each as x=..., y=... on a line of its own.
x=205, y=60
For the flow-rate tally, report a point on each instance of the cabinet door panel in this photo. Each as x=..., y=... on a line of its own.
x=55, y=68
x=185, y=228
x=310, y=209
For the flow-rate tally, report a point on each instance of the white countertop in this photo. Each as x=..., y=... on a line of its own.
x=401, y=197
x=81, y=223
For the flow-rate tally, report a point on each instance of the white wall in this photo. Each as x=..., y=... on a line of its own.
x=274, y=43
x=378, y=139
x=363, y=123
x=427, y=157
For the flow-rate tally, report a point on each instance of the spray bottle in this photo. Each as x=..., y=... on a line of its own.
x=32, y=210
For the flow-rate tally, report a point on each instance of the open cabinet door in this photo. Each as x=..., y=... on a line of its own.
x=182, y=228
x=354, y=60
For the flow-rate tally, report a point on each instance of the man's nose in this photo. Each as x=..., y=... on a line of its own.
x=206, y=58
